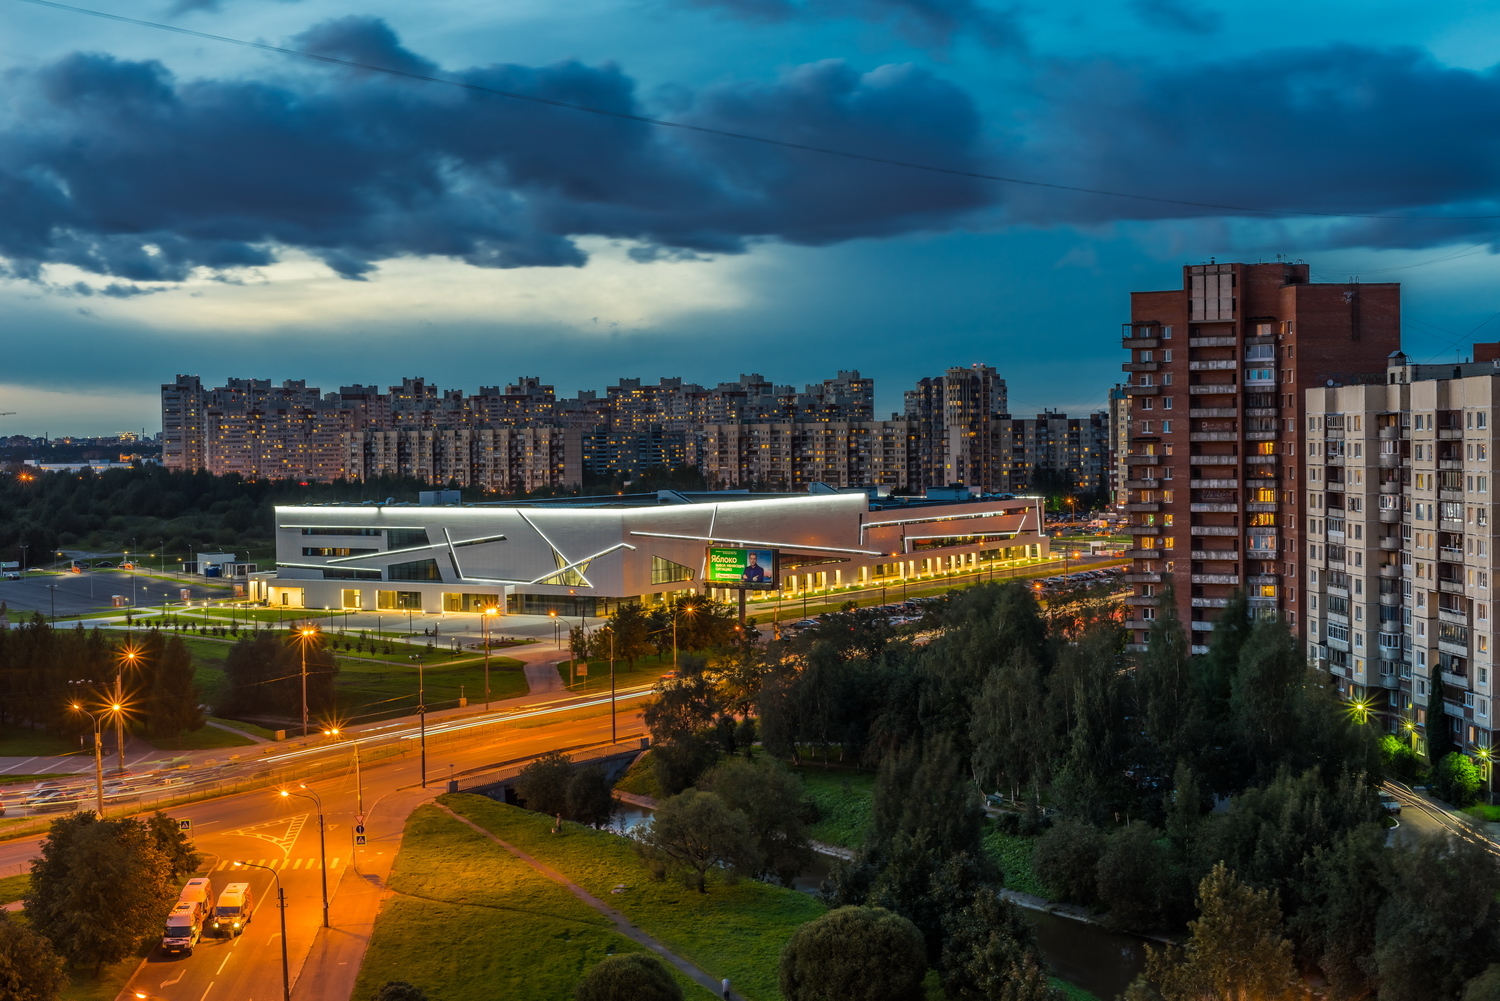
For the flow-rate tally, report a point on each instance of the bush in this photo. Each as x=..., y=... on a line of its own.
x=400, y=990
x=854, y=954
x=635, y=976
x=1066, y=860
x=1400, y=761
x=543, y=785
x=1136, y=878
x=1455, y=780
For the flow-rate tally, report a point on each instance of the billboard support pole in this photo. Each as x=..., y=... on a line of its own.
x=742, y=606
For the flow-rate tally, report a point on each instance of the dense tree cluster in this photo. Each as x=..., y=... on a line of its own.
x=263, y=675
x=554, y=785
x=44, y=670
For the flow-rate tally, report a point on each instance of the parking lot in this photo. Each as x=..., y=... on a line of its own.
x=66, y=594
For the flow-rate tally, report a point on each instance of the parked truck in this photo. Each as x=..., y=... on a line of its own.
x=184, y=928
x=235, y=908
x=198, y=891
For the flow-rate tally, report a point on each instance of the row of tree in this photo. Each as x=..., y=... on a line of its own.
x=44, y=670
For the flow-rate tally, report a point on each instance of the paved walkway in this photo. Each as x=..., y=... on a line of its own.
x=622, y=924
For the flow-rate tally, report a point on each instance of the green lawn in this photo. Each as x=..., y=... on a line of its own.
x=21, y=742
x=732, y=931
x=13, y=888
x=24, y=778
x=250, y=728
x=1012, y=853
x=645, y=672
x=844, y=798
x=370, y=691
x=471, y=922
x=208, y=738
x=640, y=779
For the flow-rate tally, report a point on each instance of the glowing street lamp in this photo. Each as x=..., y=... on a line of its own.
x=322, y=848
x=98, y=752
x=489, y=610
x=286, y=977
x=304, y=636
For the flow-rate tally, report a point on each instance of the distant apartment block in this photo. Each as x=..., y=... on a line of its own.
x=1401, y=532
x=1053, y=452
x=1218, y=370
x=955, y=417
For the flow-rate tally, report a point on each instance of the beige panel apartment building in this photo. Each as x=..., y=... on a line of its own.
x=1400, y=534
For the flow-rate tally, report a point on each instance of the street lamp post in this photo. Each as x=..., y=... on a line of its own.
x=322, y=847
x=421, y=715
x=306, y=633
x=132, y=655
x=614, y=737
x=286, y=976
x=98, y=756
x=489, y=610
x=359, y=788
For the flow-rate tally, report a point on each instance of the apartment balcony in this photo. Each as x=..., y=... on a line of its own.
x=1333, y=460
x=1217, y=365
x=1451, y=554
x=1262, y=412
x=1147, y=506
x=1143, y=484
x=1390, y=543
x=1140, y=366
x=1215, y=554
x=1389, y=517
x=1142, y=390
x=1257, y=507
x=1390, y=600
x=1210, y=602
x=1214, y=484
x=1137, y=624
x=1389, y=571
x=1221, y=508
x=1331, y=485
x=1213, y=412
x=1199, y=626
x=1387, y=460
x=1143, y=554
x=1214, y=460
x=1390, y=487
x=1261, y=435
x=1139, y=342
x=1455, y=617
x=1451, y=586
x=1210, y=342
x=1213, y=530
x=1213, y=388
x=1142, y=460
x=1213, y=436
x=1388, y=434
x=1259, y=460
x=1450, y=434
x=1337, y=591
x=1140, y=599
x=1142, y=578
x=1454, y=465
x=1216, y=578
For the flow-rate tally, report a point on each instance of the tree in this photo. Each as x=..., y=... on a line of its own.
x=1137, y=879
x=1421, y=949
x=1164, y=686
x=173, y=844
x=854, y=954
x=29, y=968
x=1066, y=860
x=989, y=952
x=694, y=833
x=681, y=720
x=1263, y=695
x=1236, y=951
x=1455, y=780
x=634, y=976
x=927, y=791
x=99, y=888
x=543, y=784
x=629, y=629
x=400, y=990
x=1342, y=888
x=591, y=798
x=1485, y=987
x=772, y=799
x=1011, y=731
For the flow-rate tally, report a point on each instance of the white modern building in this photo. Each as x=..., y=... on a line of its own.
x=1400, y=525
x=585, y=555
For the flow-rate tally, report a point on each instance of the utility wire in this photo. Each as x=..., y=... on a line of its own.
x=725, y=133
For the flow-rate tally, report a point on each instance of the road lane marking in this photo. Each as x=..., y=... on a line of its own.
x=180, y=975
x=206, y=990
x=225, y=963
x=335, y=863
x=297, y=864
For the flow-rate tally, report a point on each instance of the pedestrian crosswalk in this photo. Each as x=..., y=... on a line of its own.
x=277, y=863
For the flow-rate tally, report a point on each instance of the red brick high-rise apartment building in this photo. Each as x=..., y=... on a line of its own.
x=1217, y=372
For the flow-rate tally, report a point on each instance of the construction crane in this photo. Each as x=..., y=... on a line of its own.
x=7, y=413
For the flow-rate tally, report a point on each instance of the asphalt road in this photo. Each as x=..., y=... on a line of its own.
x=92, y=591
x=282, y=833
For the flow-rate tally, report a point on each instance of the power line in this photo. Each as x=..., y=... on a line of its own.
x=727, y=134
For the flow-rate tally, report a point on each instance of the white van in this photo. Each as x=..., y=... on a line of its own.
x=235, y=908
x=184, y=928
x=199, y=892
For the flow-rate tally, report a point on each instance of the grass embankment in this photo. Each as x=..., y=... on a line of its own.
x=644, y=672
x=13, y=888
x=471, y=922
x=844, y=801
x=640, y=779
x=732, y=931
x=22, y=742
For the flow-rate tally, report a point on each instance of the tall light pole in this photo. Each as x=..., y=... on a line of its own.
x=421, y=716
x=614, y=737
x=286, y=976
x=305, y=635
x=52, y=588
x=359, y=788
x=98, y=755
x=132, y=656
x=489, y=610
x=322, y=847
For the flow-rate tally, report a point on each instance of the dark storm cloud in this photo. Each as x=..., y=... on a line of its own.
x=122, y=170
x=1324, y=130
x=928, y=23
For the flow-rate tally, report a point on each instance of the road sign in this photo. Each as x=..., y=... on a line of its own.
x=359, y=839
x=359, y=818
x=185, y=826
x=359, y=828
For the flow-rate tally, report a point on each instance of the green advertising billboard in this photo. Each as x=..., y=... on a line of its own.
x=735, y=566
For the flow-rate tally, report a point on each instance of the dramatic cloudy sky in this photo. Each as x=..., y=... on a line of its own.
x=173, y=204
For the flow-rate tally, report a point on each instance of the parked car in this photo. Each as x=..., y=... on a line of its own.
x=1390, y=804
